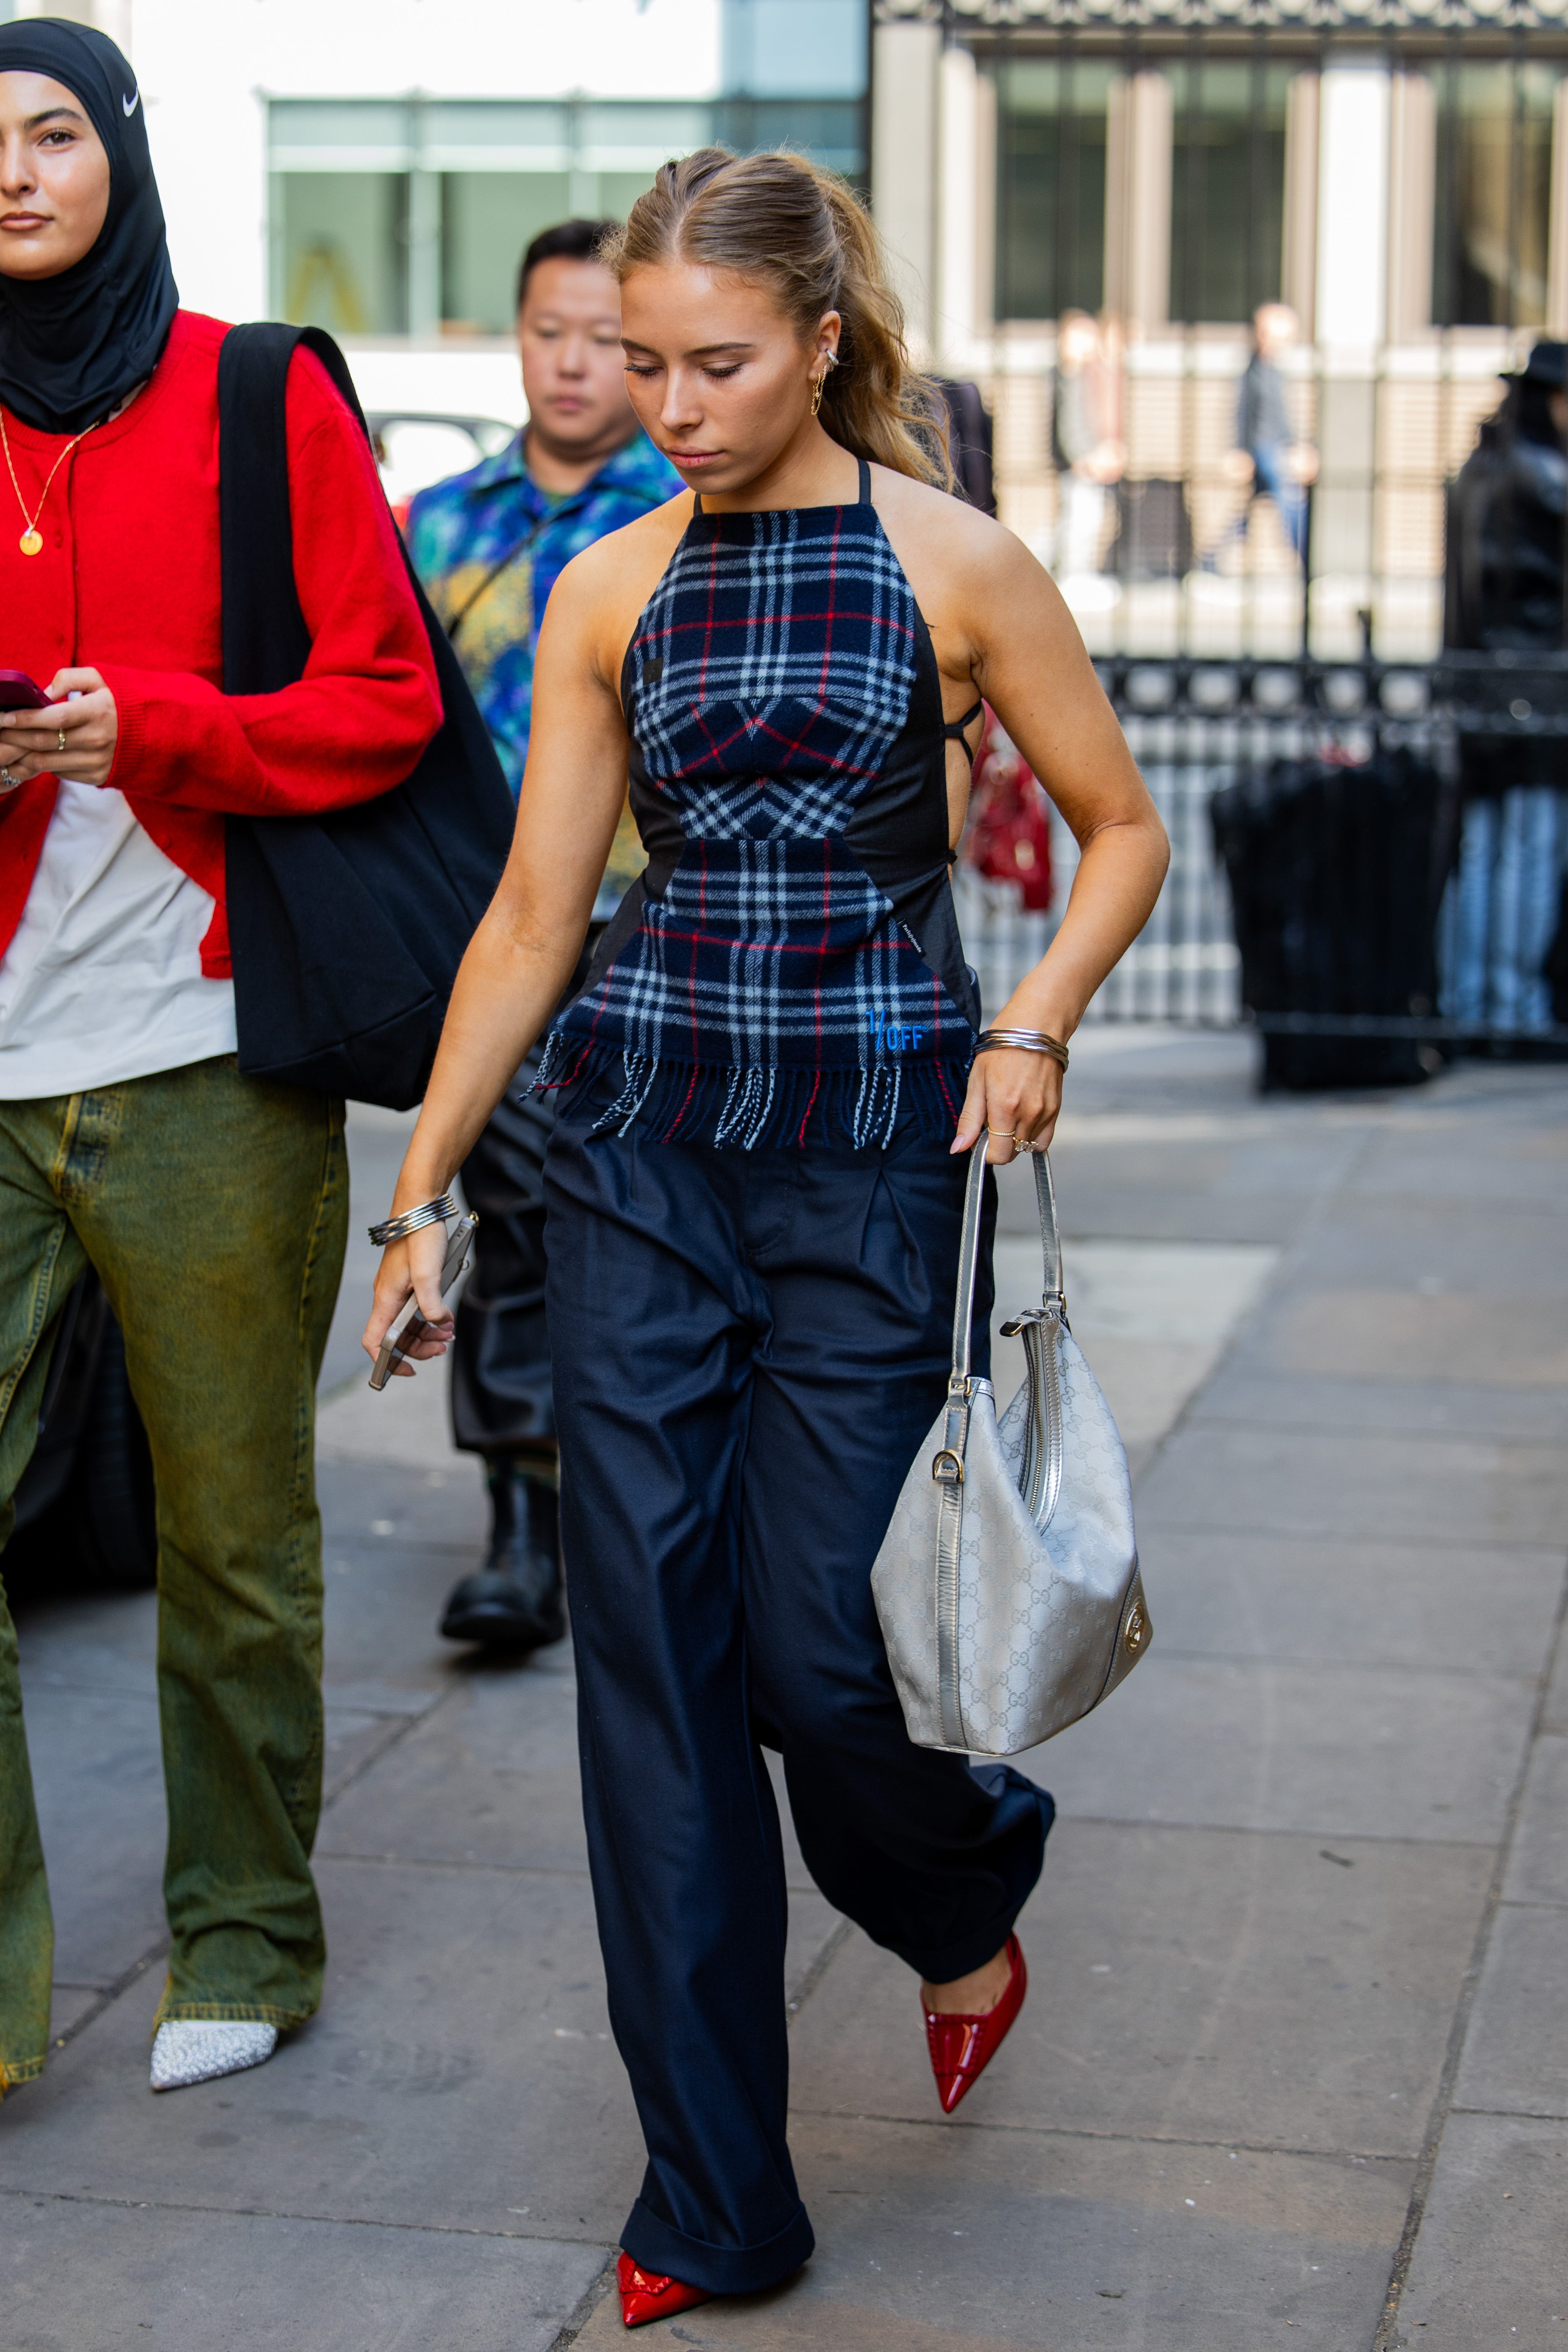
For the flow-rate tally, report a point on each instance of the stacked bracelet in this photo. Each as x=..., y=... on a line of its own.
x=1027, y=1041
x=428, y=1213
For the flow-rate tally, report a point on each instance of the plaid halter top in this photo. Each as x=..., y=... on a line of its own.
x=788, y=969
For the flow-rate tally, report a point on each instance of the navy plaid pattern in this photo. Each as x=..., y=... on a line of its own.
x=768, y=677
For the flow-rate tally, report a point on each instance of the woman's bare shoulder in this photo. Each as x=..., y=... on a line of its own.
x=973, y=579
x=941, y=525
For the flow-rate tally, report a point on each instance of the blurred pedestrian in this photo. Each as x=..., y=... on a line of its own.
x=1270, y=461
x=1504, y=595
x=1087, y=448
x=489, y=546
x=769, y=1094
x=212, y=1206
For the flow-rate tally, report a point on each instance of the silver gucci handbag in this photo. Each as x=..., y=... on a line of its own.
x=1008, y=1583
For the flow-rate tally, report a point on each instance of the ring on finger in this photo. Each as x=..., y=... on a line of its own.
x=61, y=744
x=1005, y=1132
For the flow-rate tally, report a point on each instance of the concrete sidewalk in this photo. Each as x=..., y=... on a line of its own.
x=1294, y=2066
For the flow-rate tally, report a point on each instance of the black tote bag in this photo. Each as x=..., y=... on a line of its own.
x=348, y=926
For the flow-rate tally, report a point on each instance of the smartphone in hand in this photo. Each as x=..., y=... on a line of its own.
x=17, y=692
x=410, y=1326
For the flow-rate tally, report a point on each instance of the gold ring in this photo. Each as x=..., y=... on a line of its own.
x=61, y=744
x=1002, y=1130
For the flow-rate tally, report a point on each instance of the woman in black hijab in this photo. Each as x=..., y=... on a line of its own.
x=212, y=1206
x=73, y=345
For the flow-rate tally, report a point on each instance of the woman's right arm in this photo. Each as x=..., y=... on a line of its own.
x=523, y=952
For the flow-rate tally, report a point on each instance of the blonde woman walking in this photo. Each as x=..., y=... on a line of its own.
x=768, y=1090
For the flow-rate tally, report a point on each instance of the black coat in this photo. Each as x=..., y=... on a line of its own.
x=1507, y=512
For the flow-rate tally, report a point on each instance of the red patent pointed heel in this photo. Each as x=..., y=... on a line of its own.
x=648, y=2295
x=962, y=2047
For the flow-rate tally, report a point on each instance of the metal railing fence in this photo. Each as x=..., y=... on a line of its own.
x=1336, y=872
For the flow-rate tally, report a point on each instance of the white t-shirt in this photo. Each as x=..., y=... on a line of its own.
x=103, y=979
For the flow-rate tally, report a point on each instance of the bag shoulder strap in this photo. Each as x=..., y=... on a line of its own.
x=266, y=643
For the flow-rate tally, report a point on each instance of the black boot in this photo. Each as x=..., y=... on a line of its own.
x=513, y=1602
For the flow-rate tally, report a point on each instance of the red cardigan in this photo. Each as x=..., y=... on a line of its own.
x=128, y=583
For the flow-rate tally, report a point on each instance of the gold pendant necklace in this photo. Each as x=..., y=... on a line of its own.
x=32, y=540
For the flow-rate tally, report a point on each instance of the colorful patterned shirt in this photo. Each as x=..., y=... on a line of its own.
x=489, y=545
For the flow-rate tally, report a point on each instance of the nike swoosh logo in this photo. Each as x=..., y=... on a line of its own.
x=131, y=104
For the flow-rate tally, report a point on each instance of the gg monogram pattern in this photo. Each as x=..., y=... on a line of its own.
x=1043, y=1614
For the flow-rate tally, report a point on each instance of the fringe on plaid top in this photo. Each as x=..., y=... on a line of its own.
x=788, y=969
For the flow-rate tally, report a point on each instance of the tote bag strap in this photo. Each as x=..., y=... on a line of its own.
x=1052, y=1294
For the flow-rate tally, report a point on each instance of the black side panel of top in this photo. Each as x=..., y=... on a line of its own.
x=899, y=833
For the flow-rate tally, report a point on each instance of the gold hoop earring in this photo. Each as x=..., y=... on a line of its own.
x=816, y=391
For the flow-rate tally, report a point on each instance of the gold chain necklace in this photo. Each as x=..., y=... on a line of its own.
x=31, y=540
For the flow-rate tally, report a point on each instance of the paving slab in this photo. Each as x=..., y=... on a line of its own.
x=365, y=1424
x=1555, y=1718
x=375, y=1502
x=1516, y=2051
x=1538, y=1862
x=1479, y=1165
x=465, y=2014
x=1489, y=2271
x=1427, y=1248
x=1496, y=1340
x=488, y=1775
x=970, y=2241
x=86, y=1640
x=1245, y=1388
x=1188, y=1985
x=1314, y=1599
x=79, y=2277
x=1205, y=1188
x=353, y=1741
x=1261, y=1744
x=68, y=2005
x=97, y=1773
x=460, y=2075
x=1408, y=1488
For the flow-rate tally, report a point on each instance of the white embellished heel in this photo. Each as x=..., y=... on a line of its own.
x=200, y=2049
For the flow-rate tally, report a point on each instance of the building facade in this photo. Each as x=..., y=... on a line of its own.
x=377, y=167
x=1395, y=171
x=1397, y=174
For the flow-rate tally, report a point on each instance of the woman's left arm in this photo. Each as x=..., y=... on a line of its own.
x=1029, y=662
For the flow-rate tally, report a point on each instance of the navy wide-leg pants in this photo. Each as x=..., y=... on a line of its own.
x=749, y=1348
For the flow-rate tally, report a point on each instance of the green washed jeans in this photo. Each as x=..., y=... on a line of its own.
x=214, y=1209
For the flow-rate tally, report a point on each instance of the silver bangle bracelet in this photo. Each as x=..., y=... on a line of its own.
x=398, y=1228
x=1027, y=1041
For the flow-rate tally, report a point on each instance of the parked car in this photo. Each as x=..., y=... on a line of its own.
x=414, y=449
x=86, y=1498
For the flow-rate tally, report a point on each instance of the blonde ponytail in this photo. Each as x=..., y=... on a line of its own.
x=782, y=221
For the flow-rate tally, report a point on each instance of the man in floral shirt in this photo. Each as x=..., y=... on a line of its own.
x=489, y=546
